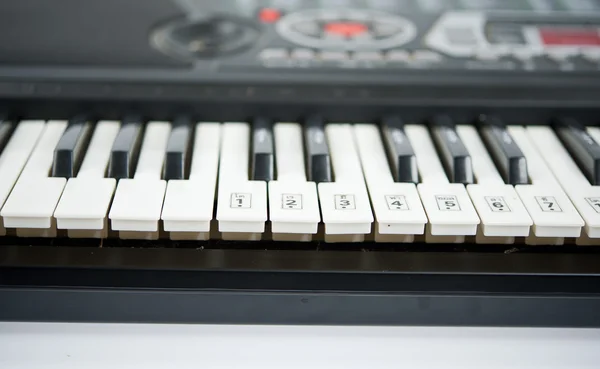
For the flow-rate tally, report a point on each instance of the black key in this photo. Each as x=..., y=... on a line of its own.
x=453, y=152
x=318, y=160
x=126, y=149
x=71, y=148
x=176, y=160
x=507, y=155
x=582, y=147
x=7, y=127
x=263, y=156
x=400, y=151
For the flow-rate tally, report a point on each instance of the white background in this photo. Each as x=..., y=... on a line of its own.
x=43, y=345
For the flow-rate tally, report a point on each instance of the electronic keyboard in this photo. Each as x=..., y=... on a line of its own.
x=301, y=162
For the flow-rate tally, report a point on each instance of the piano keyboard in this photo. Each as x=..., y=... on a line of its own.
x=395, y=181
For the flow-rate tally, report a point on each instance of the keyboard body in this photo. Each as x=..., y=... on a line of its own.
x=115, y=58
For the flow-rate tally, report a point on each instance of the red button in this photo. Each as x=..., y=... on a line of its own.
x=347, y=29
x=269, y=15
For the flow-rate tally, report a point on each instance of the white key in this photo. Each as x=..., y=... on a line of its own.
x=499, y=207
x=31, y=204
x=584, y=196
x=241, y=204
x=86, y=198
x=447, y=205
x=189, y=204
x=293, y=202
x=14, y=157
x=553, y=214
x=594, y=132
x=398, y=210
x=345, y=203
x=138, y=201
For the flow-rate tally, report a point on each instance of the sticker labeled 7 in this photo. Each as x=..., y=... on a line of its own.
x=548, y=203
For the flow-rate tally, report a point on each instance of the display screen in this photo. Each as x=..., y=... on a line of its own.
x=570, y=36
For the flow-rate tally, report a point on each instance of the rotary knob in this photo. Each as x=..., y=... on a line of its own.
x=207, y=38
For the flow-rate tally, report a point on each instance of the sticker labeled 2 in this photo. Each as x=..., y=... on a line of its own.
x=344, y=202
x=447, y=203
x=548, y=204
x=291, y=201
x=240, y=201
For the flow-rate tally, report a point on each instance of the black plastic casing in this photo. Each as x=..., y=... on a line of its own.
x=266, y=283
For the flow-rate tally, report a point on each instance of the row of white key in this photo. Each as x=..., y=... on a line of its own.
x=490, y=209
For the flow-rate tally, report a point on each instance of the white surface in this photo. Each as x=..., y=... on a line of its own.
x=86, y=198
x=572, y=180
x=293, y=202
x=510, y=218
x=241, y=204
x=448, y=206
x=98, y=153
x=91, y=346
x=138, y=202
x=565, y=220
x=407, y=217
x=15, y=156
x=345, y=203
x=33, y=200
x=189, y=204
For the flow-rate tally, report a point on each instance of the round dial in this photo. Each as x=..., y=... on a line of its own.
x=346, y=29
x=205, y=38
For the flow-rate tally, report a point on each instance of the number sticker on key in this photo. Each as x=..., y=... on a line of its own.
x=396, y=202
x=241, y=201
x=344, y=202
x=291, y=201
x=548, y=204
x=497, y=204
x=447, y=203
x=594, y=203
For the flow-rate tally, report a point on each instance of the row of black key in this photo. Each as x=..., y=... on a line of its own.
x=507, y=156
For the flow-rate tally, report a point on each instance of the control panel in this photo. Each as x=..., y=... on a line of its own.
x=526, y=35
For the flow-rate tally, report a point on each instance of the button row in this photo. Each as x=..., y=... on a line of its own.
x=558, y=54
x=283, y=56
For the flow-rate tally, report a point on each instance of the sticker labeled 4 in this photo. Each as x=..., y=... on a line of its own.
x=396, y=202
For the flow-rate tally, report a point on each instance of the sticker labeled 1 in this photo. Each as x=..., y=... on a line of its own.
x=240, y=201
x=447, y=203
